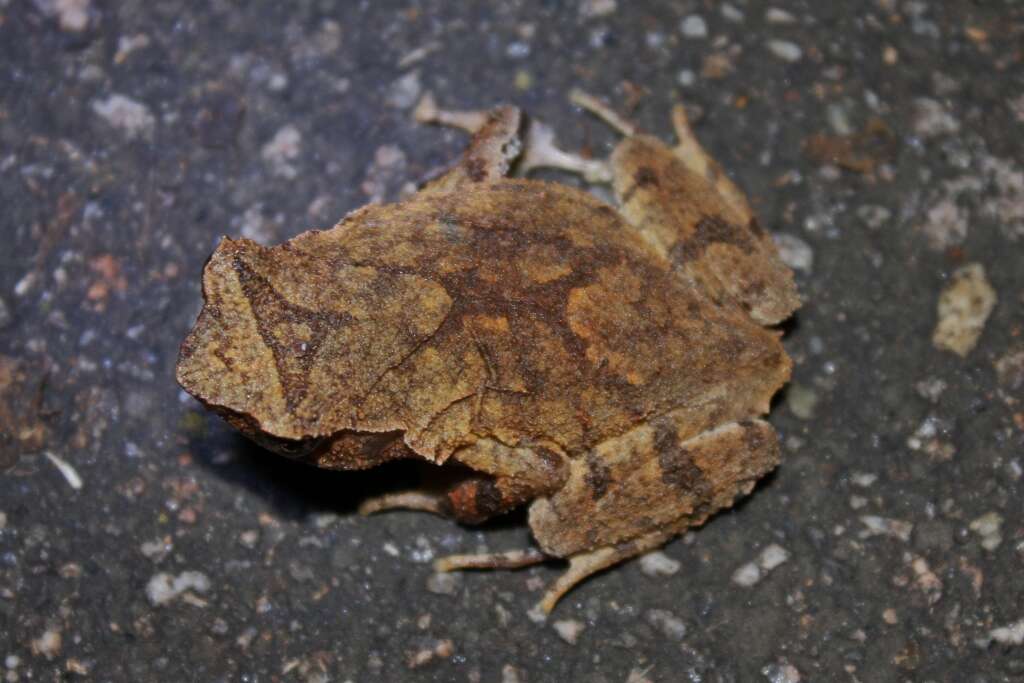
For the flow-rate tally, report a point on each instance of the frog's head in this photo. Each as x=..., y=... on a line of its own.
x=291, y=340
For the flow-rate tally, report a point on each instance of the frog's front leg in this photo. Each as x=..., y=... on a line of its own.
x=538, y=149
x=496, y=142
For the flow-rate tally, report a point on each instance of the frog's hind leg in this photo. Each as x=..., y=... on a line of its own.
x=580, y=566
x=687, y=208
x=636, y=492
x=698, y=161
x=726, y=248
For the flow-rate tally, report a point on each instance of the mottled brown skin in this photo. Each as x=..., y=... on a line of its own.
x=600, y=365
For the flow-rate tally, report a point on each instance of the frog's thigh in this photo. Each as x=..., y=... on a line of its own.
x=705, y=231
x=503, y=478
x=633, y=493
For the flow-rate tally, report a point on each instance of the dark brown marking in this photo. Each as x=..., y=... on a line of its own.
x=476, y=499
x=278, y=320
x=476, y=168
x=487, y=498
x=646, y=177
x=755, y=227
x=753, y=436
x=711, y=230
x=552, y=469
x=598, y=476
x=677, y=467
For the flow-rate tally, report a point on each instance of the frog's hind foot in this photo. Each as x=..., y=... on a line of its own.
x=581, y=566
x=602, y=111
x=510, y=559
x=586, y=564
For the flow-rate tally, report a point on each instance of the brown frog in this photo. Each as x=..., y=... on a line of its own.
x=605, y=365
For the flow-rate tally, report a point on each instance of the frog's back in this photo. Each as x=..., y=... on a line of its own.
x=520, y=310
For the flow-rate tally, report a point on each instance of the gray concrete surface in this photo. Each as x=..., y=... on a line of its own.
x=142, y=540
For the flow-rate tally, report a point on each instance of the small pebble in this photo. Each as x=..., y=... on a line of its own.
x=1010, y=370
x=639, y=675
x=863, y=479
x=885, y=526
x=931, y=118
x=568, y=630
x=989, y=527
x=794, y=251
x=131, y=117
x=597, y=8
x=658, y=563
x=443, y=583
x=686, y=78
x=281, y=149
x=510, y=674
x=669, y=624
x=963, y=308
x=747, y=575
x=405, y=91
x=785, y=50
x=1011, y=634
x=48, y=644
x=772, y=556
x=931, y=388
x=694, y=26
x=945, y=225
x=774, y=15
x=156, y=549
x=926, y=580
x=163, y=588
x=874, y=216
x=72, y=15
x=801, y=400
x=751, y=573
x=783, y=672
x=731, y=12
x=69, y=473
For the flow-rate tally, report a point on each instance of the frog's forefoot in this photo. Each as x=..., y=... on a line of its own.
x=405, y=500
